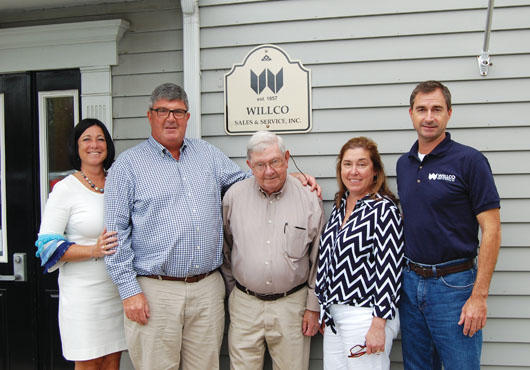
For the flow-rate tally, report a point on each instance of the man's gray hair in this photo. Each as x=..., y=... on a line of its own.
x=261, y=140
x=168, y=91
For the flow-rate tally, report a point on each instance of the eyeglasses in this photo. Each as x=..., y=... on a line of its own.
x=357, y=351
x=164, y=112
x=261, y=166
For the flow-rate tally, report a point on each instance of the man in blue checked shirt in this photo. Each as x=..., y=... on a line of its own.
x=163, y=197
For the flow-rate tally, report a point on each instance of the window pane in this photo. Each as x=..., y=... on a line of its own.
x=3, y=234
x=60, y=122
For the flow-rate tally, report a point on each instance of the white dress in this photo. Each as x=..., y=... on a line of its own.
x=90, y=309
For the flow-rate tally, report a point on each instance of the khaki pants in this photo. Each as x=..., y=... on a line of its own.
x=278, y=324
x=186, y=325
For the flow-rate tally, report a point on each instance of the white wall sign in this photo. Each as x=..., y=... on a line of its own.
x=268, y=91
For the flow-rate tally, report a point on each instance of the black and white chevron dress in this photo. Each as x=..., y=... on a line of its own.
x=360, y=264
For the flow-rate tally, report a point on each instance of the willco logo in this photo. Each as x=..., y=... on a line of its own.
x=442, y=176
x=266, y=78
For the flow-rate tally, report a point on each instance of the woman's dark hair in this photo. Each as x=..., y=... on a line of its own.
x=380, y=184
x=78, y=130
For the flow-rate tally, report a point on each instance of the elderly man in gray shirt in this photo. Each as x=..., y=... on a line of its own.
x=272, y=226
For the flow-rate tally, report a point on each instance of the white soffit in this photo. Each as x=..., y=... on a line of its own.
x=58, y=46
x=18, y=5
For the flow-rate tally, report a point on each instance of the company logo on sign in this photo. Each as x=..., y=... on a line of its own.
x=442, y=176
x=266, y=78
x=268, y=91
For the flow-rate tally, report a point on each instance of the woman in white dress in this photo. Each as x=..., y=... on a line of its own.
x=72, y=238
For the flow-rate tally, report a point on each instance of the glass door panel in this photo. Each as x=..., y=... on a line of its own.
x=3, y=215
x=58, y=113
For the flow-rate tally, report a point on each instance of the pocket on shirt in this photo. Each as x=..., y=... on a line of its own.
x=296, y=241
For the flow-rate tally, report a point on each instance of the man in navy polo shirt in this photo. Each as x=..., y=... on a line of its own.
x=446, y=191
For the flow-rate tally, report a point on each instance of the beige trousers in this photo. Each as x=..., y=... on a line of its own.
x=186, y=325
x=278, y=324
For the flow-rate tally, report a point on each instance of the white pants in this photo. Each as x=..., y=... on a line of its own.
x=352, y=324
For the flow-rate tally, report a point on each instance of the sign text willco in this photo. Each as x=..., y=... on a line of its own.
x=267, y=91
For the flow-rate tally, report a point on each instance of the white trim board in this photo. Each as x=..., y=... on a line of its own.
x=90, y=46
x=60, y=46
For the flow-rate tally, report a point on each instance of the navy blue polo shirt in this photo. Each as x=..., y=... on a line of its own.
x=441, y=197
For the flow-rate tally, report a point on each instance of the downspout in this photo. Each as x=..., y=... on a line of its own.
x=191, y=62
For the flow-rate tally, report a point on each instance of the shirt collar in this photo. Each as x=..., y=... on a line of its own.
x=278, y=194
x=162, y=149
x=438, y=151
x=367, y=199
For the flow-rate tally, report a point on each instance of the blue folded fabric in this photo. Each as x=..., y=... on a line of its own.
x=56, y=256
x=44, y=239
x=51, y=247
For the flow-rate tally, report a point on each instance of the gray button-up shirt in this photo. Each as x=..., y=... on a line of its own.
x=271, y=242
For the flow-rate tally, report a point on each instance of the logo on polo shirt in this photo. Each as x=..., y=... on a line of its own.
x=442, y=176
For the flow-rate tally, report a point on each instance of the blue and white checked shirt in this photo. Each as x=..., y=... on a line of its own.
x=167, y=212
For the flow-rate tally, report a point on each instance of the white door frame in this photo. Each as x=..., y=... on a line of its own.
x=3, y=208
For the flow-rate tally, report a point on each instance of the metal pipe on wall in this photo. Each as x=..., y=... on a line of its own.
x=191, y=62
x=484, y=58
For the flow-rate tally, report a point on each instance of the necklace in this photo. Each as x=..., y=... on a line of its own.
x=92, y=185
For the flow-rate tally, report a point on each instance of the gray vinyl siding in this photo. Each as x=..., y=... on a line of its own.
x=365, y=59
x=150, y=54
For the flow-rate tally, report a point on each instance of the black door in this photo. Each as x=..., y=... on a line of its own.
x=29, y=336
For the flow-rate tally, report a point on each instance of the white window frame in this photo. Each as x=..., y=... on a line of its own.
x=43, y=135
x=3, y=234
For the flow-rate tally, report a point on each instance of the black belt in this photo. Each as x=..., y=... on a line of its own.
x=187, y=279
x=432, y=270
x=269, y=297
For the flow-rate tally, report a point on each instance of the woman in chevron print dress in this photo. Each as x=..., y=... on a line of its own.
x=359, y=270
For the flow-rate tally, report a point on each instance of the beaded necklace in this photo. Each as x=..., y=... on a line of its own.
x=101, y=190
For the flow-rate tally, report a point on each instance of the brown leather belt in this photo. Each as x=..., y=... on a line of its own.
x=269, y=297
x=428, y=271
x=188, y=279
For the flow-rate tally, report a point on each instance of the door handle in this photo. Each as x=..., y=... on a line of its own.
x=19, y=269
